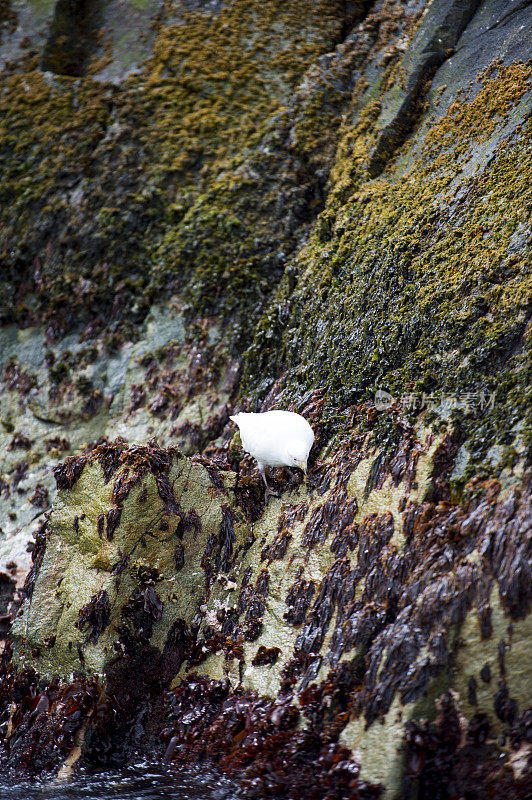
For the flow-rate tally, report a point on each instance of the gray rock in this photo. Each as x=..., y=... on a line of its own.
x=437, y=35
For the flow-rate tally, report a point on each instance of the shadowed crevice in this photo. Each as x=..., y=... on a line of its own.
x=73, y=37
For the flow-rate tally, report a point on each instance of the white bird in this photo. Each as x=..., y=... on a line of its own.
x=275, y=439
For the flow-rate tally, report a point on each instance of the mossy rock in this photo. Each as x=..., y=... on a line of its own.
x=123, y=559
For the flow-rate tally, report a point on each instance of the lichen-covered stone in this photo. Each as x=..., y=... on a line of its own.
x=109, y=570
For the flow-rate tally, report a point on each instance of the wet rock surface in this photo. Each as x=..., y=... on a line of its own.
x=152, y=579
x=316, y=206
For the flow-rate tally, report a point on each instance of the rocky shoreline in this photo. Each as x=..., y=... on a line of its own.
x=318, y=206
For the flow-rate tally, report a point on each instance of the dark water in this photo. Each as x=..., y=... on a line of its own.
x=141, y=782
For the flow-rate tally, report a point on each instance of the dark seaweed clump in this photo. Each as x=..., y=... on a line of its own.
x=96, y=614
x=7, y=606
x=42, y=726
x=394, y=600
x=218, y=555
x=442, y=763
x=256, y=740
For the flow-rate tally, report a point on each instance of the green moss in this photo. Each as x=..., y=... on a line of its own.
x=410, y=282
x=200, y=178
x=169, y=182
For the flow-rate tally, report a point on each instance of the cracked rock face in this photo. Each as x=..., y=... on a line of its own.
x=320, y=206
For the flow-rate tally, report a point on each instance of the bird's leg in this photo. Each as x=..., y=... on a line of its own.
x=269, y=492
x=237, y=471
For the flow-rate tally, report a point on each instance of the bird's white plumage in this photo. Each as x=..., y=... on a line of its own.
x=276, y=438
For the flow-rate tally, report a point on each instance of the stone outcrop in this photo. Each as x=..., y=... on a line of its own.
x=354, y=604
x=314, y=205
x=134, y=520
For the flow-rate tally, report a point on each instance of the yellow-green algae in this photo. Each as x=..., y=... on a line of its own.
x=410, y=282
x=127, y=191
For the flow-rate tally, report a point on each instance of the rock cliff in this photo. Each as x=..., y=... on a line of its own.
x=321, y=206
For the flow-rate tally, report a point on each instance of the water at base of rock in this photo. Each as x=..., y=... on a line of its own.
x=142, y=781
